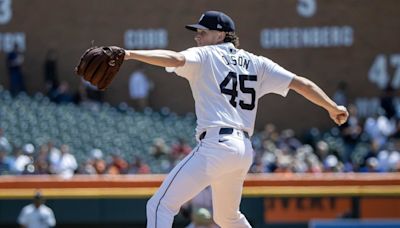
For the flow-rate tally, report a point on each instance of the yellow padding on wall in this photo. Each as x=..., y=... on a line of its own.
x=276, y=191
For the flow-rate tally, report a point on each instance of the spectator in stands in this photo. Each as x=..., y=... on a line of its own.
x=397, y=167
x=180, y=149
x=268, y=153
x=159, y=148
x=86, y=167
x=322, y=150
x=24, y=159
x=53, y=155
x=373, y=150
x=97, y=161
x=301, y=155
x=41, y=167
x=63, y=94
x=17, y=151
x=351, y=132
x=258, y=166
x=379, y=128
x=5, y=162
x=269, y=132
x=139, y=87
x=332, y=164
x=269, y=136
x=67, y=164
x=88, y=96
x=288, y=139
x=387, y=102
x=312, y=136
x=284, y=161
x=396, y=133
x=41, y=162
x=394, y=161
x=161, y=152
x=389, y=157
x=340, y=95
x=15, y=60
x=4, y=143
x=43, y=153
x=372, y=165
x=90, y=93
x=314, y=164
x=118, y=165
x=51, y=71
x=37, y=214
x=138, y=167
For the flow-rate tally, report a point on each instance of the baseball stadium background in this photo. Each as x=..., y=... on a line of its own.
x=332, y=42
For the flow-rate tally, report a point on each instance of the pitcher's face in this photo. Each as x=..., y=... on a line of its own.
x=208, y=37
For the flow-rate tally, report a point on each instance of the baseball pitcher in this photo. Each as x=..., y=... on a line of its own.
x=226, y=83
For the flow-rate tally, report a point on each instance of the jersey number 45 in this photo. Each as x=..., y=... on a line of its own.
x=232, y=76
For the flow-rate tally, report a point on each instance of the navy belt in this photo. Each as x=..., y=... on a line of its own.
x=224, y=131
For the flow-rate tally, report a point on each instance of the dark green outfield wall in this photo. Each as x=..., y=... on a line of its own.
x=111, y=212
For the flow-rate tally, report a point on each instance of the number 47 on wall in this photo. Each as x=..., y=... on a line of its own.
x=378, y=73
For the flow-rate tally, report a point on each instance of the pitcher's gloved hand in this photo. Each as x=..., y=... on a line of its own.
x=99, y=65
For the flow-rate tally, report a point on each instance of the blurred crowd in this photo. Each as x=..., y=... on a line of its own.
x=369, y=144
x=51, y=159
x=57, y=90
x=361, y=145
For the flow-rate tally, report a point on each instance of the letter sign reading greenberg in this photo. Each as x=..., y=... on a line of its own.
x=310, y=37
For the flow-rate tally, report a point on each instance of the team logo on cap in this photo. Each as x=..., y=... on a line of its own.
x=201, y=17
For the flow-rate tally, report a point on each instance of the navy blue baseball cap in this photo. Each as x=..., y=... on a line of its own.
x=213, y=20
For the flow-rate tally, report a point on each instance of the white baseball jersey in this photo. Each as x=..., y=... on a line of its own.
x=226, y=85
x=227, y=82
x=32, y=217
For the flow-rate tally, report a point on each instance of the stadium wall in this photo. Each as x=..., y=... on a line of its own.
x=269, y=200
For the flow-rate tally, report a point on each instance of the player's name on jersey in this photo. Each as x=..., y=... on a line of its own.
x=236, y=60
x=308, y=37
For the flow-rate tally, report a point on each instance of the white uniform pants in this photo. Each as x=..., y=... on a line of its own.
x=221, y=161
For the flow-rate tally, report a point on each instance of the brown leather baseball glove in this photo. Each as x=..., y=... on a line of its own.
x=99, y=65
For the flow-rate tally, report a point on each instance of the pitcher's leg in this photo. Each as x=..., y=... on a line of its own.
x=227, y=194
x=187, y=179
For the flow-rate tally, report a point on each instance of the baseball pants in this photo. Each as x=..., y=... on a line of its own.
x=219, y=160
